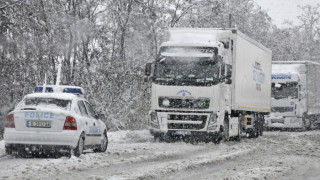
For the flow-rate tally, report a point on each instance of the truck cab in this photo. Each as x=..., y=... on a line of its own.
x=199, y=87
x=289, y=96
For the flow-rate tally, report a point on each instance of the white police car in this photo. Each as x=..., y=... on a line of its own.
x=58, y=121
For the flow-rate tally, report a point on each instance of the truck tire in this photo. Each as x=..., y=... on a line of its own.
x=256, y=130
x=158, y=138
x=226, y=128
x=261, y=125
x=8, y=150
x=238, y=137
x=306, y=124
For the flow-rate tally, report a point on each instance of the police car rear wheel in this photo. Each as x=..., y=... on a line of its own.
x=79, y=149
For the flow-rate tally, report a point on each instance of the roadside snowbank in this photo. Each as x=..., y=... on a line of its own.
x=129, y=136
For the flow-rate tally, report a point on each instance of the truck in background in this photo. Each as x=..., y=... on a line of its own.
x=295, y=101
x=209, y=84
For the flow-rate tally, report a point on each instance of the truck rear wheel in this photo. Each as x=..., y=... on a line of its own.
x=238, y=137
x=261, y=127
x=226, y=128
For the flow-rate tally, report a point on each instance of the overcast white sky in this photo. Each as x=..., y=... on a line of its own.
x=279, y=10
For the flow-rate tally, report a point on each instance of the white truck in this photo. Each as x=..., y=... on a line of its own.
x=209, y=84
x=295, y=102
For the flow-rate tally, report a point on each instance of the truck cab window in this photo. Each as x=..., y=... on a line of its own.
x=288, y=90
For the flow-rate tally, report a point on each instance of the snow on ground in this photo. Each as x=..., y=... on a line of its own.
x=134, y=155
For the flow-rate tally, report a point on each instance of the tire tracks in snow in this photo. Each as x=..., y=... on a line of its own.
x=163, y=161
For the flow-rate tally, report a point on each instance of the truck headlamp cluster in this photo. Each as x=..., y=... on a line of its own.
x=212, y=125
x=166, y=102
x=154, y=120
x=202, y=103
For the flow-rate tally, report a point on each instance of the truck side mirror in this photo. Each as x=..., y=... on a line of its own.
x=148, y=69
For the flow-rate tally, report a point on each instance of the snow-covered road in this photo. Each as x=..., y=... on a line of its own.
x=134, y=155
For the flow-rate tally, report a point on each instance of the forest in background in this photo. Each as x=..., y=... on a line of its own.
x=104, y=45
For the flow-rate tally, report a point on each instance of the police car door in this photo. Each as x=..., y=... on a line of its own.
x=95, y=129
x=87, y=121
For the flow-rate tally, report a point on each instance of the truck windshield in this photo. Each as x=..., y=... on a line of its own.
x=285, y=90
x=184, y=71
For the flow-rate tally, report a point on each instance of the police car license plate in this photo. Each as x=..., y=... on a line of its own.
x=40, y=124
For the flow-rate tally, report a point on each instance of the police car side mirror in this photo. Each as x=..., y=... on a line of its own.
x=146, y=79
x=102, y=117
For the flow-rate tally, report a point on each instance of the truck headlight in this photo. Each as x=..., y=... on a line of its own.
x=154, y=120
x=166, y=102
x=212, y=125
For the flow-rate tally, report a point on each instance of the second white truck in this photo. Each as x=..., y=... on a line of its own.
x=208, y=84
x=295, y=99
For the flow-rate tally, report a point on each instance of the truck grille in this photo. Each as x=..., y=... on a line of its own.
x=184, y=103
x=281, y=109
x=194, y=122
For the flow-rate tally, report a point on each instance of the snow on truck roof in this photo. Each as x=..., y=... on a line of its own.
x=196, y=34
x=290, y=67
x=206, y=35
x=186, y=55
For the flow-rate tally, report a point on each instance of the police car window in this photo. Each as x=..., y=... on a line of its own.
x=82, y=108
x=90, y=109
x=42, y=101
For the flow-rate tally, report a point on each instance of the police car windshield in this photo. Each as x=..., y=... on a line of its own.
x=41, y=102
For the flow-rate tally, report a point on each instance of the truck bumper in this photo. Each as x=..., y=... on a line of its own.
x=284, y=122
x=199, y=135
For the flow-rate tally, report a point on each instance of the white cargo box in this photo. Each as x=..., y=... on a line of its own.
x=251, y=76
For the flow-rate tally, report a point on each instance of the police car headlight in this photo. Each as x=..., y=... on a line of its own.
x=154, y=120
x=166, y=102
x=212, y=125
